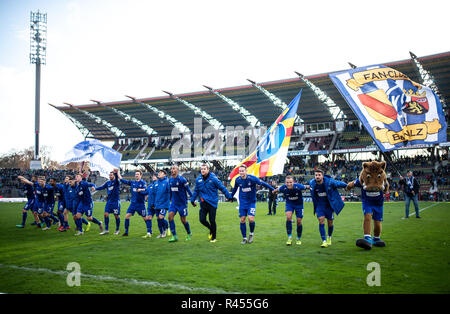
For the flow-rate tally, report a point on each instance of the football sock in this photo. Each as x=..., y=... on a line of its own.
x=24, y=218
x=322, y=231
x=106, y=222
x=165, y=224
x=79, y=224
x=299, y=231
x=83, y=220
x=47, y=222
x=367, y=237
x=148, y=223
x=330, y=230
x=243, y=230
x=118, y=223
x=61, y=217
x=160, y=225
x=187, y=227
x=172, y=227
x=289, y=227
x=252, y=227
x=52, y=216
x=127, y=224
x=94, y=220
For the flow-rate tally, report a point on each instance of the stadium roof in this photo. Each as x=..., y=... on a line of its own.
x=101, y=117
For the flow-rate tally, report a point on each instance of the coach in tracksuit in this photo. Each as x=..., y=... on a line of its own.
x=206, y=187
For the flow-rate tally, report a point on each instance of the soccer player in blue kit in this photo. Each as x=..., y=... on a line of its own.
x=150, y=206
x=70, y=194
x=246, y=183
x=59, y=192
x=294, y=203
x=161, y=202
x=85, y=204
x=112, y=206
x=326, y=201
x=137, y=200
x=179, y=188
x=28, y=190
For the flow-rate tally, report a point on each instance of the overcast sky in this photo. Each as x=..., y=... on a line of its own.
x=104, y=49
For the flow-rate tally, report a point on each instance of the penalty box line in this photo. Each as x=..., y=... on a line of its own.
x=122, y=280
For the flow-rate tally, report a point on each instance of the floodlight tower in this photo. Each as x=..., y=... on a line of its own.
x=38, y=54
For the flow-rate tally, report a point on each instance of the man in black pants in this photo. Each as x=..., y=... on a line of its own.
x=272, y=199
x=206, y=187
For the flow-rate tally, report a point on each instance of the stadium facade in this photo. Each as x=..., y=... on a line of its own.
x=143, y=129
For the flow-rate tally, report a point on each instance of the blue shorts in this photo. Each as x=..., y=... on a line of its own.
x=29, y=204
x=85, y=209
x=247, y=212
x=49, y=208
x=298, y=211
x=61, y=206
x=182, y=210
x=377, y=212
x=113, y=207
x=158, y=212
x=326, y=212
x=38, y=207
x=139, y=208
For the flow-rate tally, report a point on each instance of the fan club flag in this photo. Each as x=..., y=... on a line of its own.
x=269, y=157
x=395, y=110
x=101, y=157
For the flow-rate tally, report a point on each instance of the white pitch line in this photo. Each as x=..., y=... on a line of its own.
x=414, y=212
x=122, y=280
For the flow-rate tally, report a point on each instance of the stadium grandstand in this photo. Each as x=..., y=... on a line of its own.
x=326, y=132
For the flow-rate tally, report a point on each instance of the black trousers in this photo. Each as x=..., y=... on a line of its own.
x=208, y=209
x=272, y=206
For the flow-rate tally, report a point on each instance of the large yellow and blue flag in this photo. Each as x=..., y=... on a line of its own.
x=395, y=110
x=270, y=155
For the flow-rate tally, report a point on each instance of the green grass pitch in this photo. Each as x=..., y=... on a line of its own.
x=415, y=260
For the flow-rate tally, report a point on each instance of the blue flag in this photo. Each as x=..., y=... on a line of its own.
x=101, y=157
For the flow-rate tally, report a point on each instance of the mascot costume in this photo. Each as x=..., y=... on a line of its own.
x=373, y=183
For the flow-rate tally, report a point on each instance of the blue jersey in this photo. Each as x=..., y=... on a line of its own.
x=322, y=198
x=84, y=193
x=59, y=192
x=294, y=197
x=179, y=188
x=161, y=193
x=28, y=191
x=39, y=194
x=136, y=197
x=49, y=194
x=247, y=190
x=369, y=198
x=112, y=188
x=206, y=189
x=70, y=195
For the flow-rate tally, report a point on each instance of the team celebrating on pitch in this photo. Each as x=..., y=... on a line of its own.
x=171, y=195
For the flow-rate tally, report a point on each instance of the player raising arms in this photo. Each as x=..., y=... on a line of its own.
x=206, y=187
x=246, y=183
x=112, y=206
x=30, y=191
x=326, y=201
x=137, y=200
x=179, y=188
x=294, y=203
x=85, y=204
